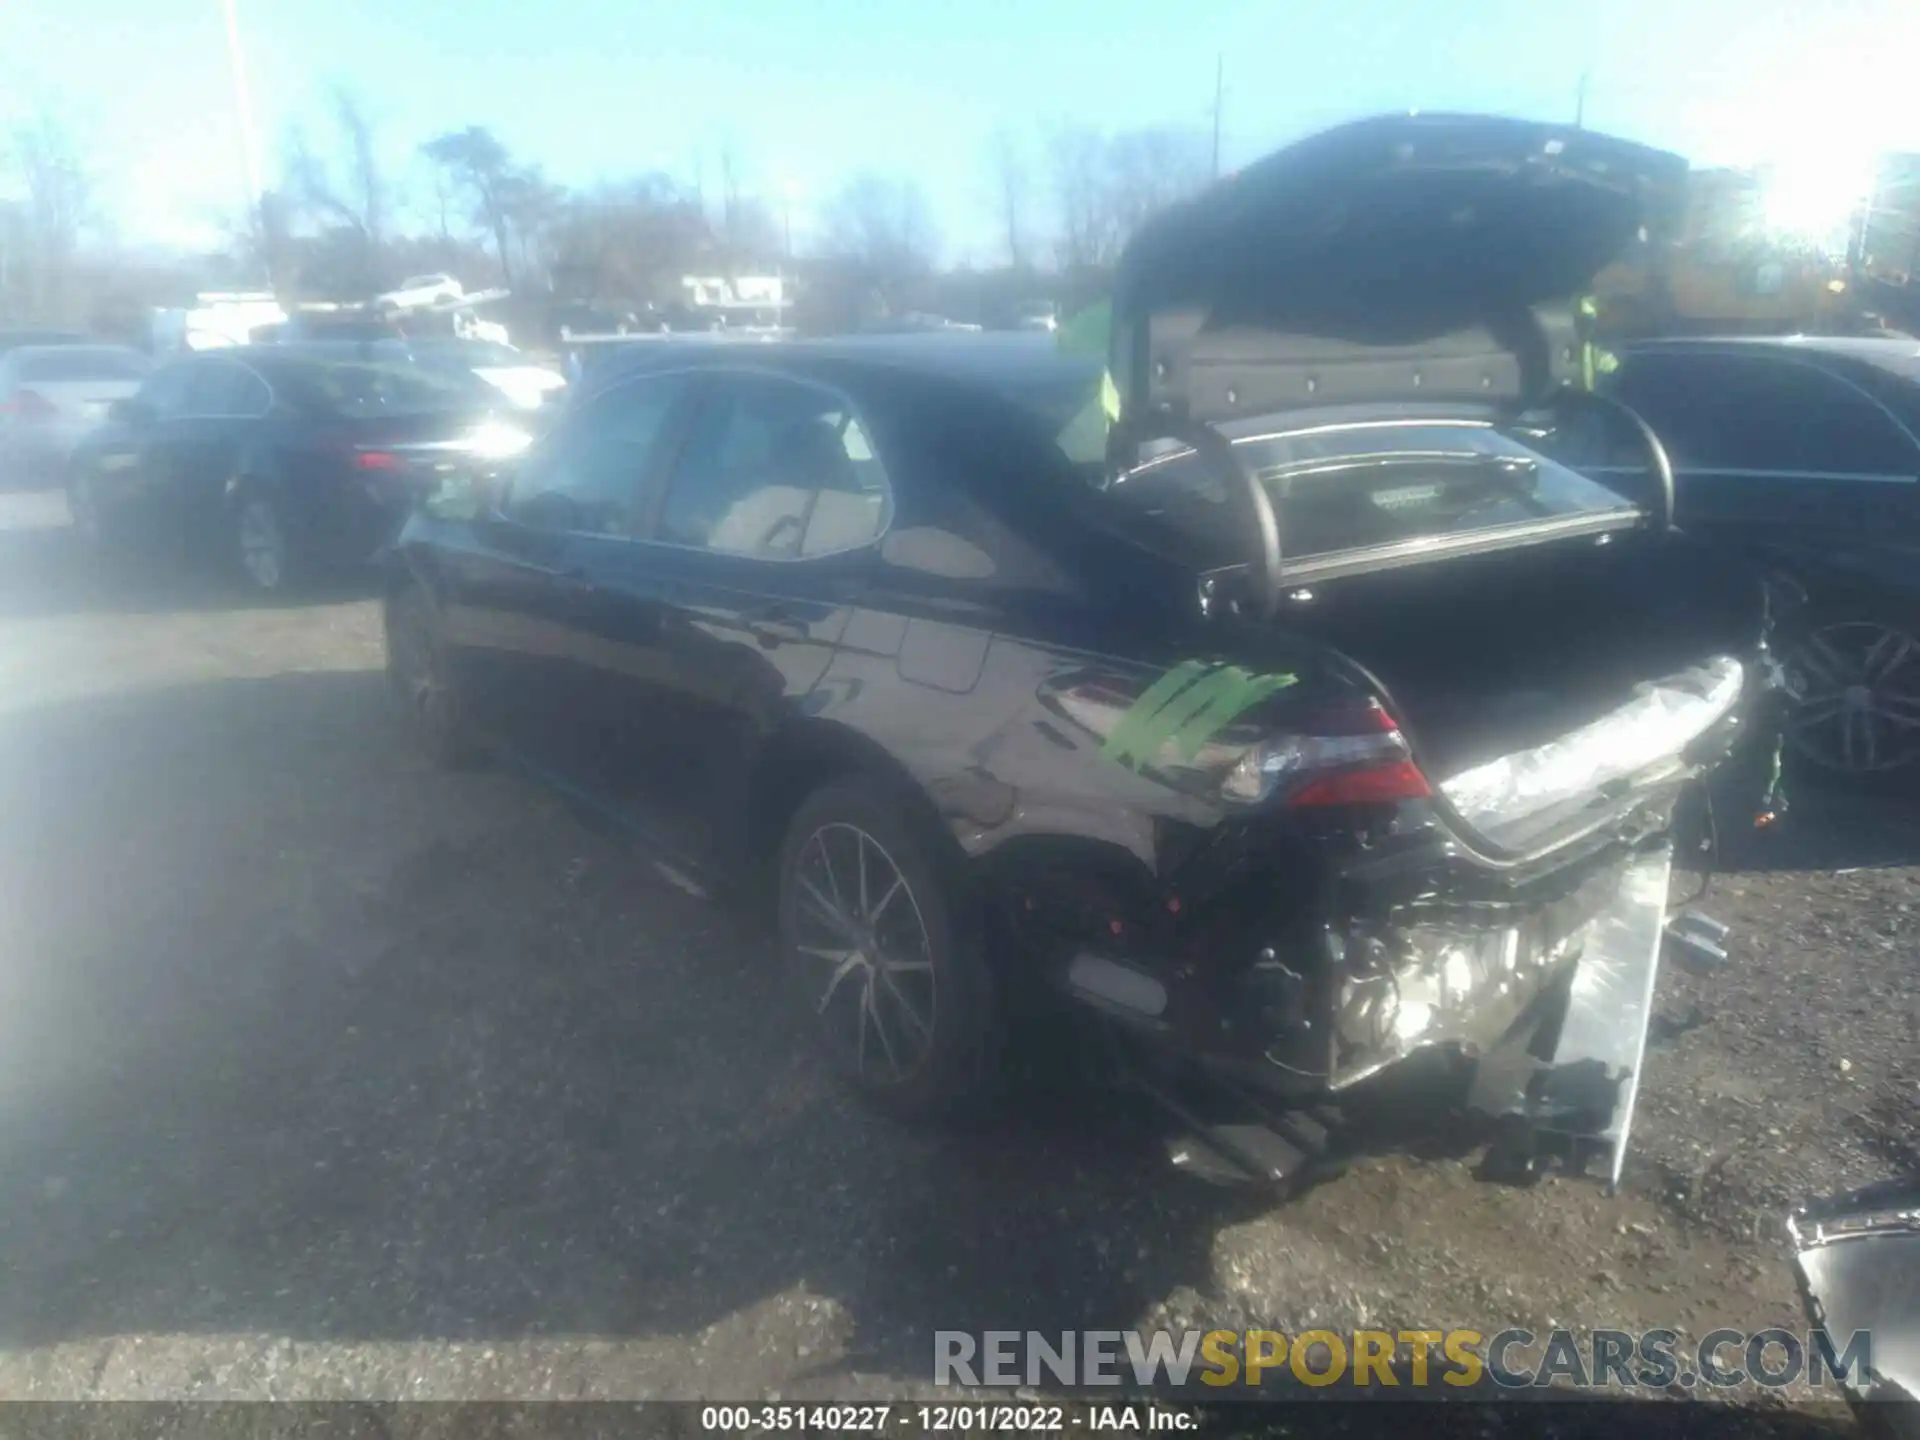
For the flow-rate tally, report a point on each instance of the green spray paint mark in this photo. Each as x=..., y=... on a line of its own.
x=1188, y=705
x=1230, y=701
x=1127, y=742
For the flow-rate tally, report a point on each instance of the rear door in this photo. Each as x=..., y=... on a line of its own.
x=226, y=405
x=129, y=462
x=757, y=545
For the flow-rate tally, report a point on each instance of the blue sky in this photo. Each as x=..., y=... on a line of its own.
x=807, y=91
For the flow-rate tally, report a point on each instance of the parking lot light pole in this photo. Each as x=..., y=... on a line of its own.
x=243, y=117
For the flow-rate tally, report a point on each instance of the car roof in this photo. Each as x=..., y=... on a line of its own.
x=1003, y=362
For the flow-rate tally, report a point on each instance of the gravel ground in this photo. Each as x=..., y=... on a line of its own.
x=325, y=1075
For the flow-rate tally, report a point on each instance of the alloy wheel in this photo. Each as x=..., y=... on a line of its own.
x=857, y=921
x=263, y=544
x=1855, y=685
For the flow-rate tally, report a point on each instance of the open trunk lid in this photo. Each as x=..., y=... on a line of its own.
x=1324, y=363
x=1409, y=257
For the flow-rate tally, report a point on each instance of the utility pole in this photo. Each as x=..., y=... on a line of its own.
x=1580, y=103
x=1219, y=97
x=243, y=104
x=249, y=139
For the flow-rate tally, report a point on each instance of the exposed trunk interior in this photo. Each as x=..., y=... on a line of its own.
x=1490, y=655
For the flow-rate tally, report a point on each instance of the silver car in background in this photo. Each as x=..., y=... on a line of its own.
x=51, y=396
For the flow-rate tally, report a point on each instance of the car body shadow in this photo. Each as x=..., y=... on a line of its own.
x=306, y=1038
x=47, y=571
x=300, y=1037
x=1827, y=827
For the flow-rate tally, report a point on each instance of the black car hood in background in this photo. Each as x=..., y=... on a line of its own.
x=1435, y=232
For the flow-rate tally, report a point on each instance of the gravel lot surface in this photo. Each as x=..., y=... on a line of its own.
x=325, y=1075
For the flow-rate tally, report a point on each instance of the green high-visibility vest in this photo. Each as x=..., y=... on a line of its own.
x=1594, y=361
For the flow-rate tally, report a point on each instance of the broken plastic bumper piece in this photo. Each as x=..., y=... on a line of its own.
x=1584, y=1095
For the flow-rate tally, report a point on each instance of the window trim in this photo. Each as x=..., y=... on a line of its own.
x=675, y=427
x=700, y=398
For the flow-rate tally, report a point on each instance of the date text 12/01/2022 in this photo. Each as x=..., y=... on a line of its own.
x=942, y=1419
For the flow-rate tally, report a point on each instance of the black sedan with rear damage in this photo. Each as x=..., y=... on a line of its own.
x=273, y=463
x=1301, y=719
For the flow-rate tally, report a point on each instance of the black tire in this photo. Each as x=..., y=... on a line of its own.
x=423, y=686
x=942, y=1065
x=262, y=551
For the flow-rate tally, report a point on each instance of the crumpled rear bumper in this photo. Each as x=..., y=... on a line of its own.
x=1575, y=1077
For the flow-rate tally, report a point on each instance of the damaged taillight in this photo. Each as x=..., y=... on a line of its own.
x=1355, y=756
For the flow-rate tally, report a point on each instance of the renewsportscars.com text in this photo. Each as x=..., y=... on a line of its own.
x=1403, y=1359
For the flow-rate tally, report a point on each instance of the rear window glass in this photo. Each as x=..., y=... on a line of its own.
x=1356, y=487
x=371, y=388
x=79, y=362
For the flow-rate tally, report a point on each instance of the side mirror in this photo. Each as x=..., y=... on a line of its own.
x=129, y=412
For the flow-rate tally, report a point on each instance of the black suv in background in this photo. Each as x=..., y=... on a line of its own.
x=1804, y=453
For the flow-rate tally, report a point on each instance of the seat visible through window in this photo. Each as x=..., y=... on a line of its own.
x=775, y=469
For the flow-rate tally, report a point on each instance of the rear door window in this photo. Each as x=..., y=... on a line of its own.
x=775, y=469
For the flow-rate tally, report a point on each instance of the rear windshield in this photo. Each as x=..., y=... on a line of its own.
x=366, y=388
x=82, y=362
x=1356, y=487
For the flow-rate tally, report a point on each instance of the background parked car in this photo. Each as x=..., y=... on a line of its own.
x=276, y=462
x=419, y=290
x=467, y=325
x=14, y=339
x=584, y=318
x=1806, y=452
x=51, y=396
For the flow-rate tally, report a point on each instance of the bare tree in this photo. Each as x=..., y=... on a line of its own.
x=1010, y=185
x=729, y=197
x=618, y=242
x=482, y=169
x=884, y=225
x=531, y=205
x=1148, y=170
x=1077, y=161
x=60, y=191
x=356, y=194
x=1106, y=186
